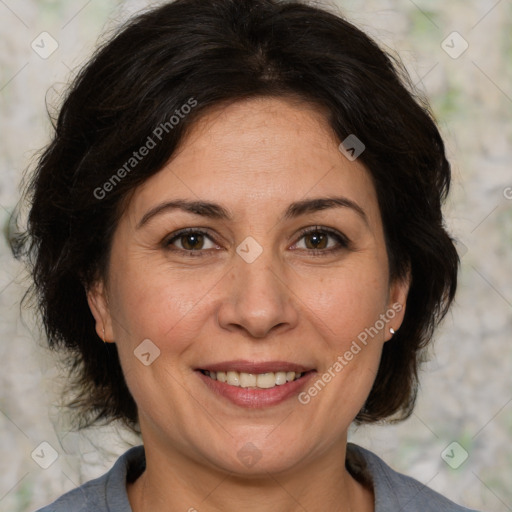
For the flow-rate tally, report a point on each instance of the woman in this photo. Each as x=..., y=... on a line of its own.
x=237, y=233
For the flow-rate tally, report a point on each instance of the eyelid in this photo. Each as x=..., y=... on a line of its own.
x=168, y=240
x=343, y=241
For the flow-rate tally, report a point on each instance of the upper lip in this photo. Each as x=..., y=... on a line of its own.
x=255, y=367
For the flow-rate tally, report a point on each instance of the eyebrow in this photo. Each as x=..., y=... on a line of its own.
x=216, y=211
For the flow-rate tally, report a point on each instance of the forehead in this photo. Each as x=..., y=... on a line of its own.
x=256, y=156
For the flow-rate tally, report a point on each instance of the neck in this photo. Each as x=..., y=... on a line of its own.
x=172, y=481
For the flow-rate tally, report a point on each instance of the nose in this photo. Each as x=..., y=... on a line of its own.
x=258, y=298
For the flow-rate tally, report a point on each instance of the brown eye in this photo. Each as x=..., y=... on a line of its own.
x=189, y=241
x=318, y=239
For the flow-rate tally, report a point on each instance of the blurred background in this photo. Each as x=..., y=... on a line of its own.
x=458, y=441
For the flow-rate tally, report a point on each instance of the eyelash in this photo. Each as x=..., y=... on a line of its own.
x=344, y=242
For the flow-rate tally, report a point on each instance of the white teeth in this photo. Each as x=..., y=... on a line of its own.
x=233, y=378
x=253, y=380
x=266, y=380
x=280, y=378
x=247, y=380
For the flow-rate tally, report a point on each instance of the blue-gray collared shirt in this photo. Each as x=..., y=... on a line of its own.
x=394, y=492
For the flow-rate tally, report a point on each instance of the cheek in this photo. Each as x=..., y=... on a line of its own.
x=165, y=307
x=346, y=311
x=161, y=303
x=345, y=302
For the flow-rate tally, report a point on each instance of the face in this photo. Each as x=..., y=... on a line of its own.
x=264, y=282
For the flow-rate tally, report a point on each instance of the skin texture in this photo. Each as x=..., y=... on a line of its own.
x=255, y=158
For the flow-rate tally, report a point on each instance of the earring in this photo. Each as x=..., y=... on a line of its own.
x=392, y=331
x=103, y=338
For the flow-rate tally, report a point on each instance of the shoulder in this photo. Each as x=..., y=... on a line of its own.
x=88, y=497
x=106, y=493
x=396, y=491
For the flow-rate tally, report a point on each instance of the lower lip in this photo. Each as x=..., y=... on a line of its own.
x=255, y=397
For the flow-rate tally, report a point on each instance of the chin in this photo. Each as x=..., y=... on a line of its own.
x=258, y=455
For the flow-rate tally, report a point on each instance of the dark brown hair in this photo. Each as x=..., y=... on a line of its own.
x=213, y=52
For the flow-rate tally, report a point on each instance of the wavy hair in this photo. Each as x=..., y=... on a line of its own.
x=219, y=52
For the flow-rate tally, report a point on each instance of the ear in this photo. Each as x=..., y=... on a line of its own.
x=398, y=292
x=100, y=309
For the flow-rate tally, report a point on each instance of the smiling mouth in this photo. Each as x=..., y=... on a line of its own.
x=266, y=380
